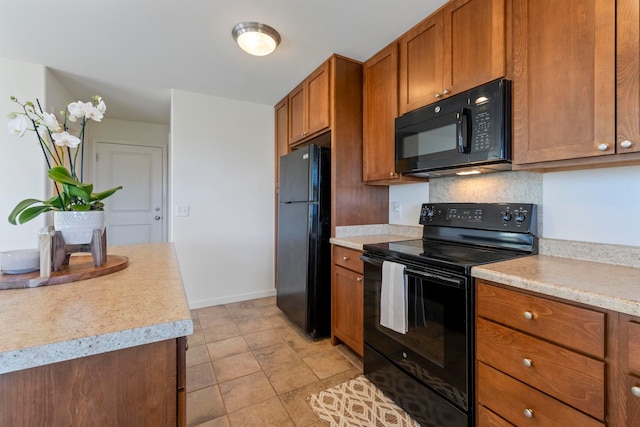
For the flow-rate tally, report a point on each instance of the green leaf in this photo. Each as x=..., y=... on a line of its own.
x=78, y=192
x=104, y=194
x=20, y=207
x=30, y=213
x=63, y=176
x=80, y=207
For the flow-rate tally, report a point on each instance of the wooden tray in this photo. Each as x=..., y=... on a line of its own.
x=80, y=268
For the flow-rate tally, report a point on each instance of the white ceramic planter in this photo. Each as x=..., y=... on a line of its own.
x=77, y=226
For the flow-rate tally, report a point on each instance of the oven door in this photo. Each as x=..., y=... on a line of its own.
x=437, y=348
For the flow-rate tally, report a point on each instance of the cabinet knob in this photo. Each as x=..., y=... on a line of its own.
x=345, y=258
x=626, y=144
x=635, y=390
x=528, y=315
x=392, y=174
x=603, y=146
x=438, y=95
x=358, y=279
x=446, y=92
x=528, y=413
x=527, y=362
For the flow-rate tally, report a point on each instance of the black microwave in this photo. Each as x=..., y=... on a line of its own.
x=467, y=133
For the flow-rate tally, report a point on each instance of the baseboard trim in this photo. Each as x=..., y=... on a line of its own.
x=193, y=305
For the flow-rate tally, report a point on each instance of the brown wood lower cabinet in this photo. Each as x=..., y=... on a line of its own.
x=523, y=405
x=347, y=299
x=540, y=362
x=627, y=399
x=136, y=386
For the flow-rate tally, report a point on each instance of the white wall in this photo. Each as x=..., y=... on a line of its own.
x=22, y=166
x=222, y=161
x=410, y=198
x=596, y=205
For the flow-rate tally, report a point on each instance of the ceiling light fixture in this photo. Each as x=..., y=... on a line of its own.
x=255, y=38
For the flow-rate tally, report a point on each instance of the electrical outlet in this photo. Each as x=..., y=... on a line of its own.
x=182, y=210
x=397, y=210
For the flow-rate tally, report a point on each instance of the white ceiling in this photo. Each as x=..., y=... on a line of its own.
x=132, y=52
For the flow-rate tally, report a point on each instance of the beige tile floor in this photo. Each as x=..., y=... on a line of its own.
x=247, y=365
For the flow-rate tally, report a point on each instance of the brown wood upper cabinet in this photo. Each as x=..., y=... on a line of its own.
x=459, y=47
x=309, y=112
x=628, y=76
x=282, y=135
x=564, y=79
x=380, y=108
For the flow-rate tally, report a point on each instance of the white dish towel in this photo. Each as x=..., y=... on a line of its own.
x=393, y=297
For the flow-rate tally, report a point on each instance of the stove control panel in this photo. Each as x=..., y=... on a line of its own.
x=512, y=217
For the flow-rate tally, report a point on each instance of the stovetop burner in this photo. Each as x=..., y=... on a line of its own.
x=457, y=236
x=444, y=254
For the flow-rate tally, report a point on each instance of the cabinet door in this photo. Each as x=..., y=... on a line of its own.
x=474, y=43
x=347, y=308
x=282, y=134
x=297, y=113
x=628, y=76
x=632, y=400
x=421, y=51
x=135, y=386
x=380, y=99
x=564, y=79
x=318, y=113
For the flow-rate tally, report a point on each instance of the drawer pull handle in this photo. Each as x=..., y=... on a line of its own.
x=528, y=315
x=345, y=258
x=527, y=362
x=635, y=390
x=358, y=279
x=528, y=413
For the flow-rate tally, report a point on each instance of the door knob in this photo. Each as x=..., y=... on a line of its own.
x=157, y=217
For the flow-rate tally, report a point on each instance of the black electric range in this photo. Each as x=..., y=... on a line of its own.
x=426, y=364
x=457, y=236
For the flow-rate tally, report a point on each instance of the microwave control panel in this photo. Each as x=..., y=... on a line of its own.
x=482, y=130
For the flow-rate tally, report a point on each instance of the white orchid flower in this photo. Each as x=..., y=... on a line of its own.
x=51, y=122
x=94, y=113
x=43, y=132
x=102, y=107
x=77, y=110
x=18, y=126
x=65, y=138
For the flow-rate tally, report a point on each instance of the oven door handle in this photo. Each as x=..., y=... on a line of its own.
x=456, y=283
x=372, y=260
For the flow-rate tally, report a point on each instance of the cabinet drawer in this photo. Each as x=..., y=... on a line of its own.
x=523, y=405
x=573, y=378
x=634, y=347
x=578, y=328
x=632, y=401
x=486, y=418
x=348, y=258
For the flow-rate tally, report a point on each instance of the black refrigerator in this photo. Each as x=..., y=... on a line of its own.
x=303, y=273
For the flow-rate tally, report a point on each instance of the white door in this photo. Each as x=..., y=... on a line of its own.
x=134, y=214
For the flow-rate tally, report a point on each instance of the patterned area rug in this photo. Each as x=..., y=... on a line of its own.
x=358, y=403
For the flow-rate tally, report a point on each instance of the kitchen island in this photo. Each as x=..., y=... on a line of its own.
x=104, y=351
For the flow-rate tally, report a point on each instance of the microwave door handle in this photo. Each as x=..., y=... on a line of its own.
x=463, y=131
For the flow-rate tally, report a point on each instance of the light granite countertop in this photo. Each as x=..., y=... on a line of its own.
x=607, y=286
x=141, y=304
x=357, y=242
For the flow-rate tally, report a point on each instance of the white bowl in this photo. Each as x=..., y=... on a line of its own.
x=20, y=261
